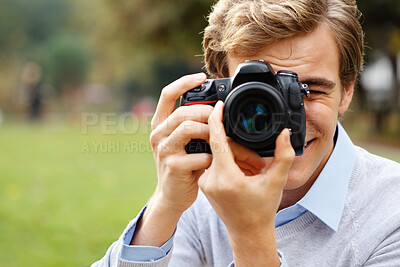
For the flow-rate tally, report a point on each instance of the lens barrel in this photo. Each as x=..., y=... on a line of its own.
x=254, y=115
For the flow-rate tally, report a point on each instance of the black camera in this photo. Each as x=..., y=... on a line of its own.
x=259, y=104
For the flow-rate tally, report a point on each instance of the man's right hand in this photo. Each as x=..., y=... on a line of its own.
x=177, y=171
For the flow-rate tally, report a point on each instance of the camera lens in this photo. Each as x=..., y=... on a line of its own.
x=254, y=114
x=254, y=117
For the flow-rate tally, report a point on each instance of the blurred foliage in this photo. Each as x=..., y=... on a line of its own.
x=66, y=62
x=164, y=26
x=133, y=47
x=381, y=21
x=154, y=36
x=382, y=27
x=26, y=23
x=112, y=42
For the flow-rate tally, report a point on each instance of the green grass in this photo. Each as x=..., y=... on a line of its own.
x=62, y=201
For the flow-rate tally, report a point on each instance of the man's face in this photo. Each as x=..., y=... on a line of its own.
x=315, y=58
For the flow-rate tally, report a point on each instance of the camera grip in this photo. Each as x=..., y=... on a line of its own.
x=197, y=146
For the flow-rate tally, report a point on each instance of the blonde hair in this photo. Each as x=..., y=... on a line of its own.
x=244, y=27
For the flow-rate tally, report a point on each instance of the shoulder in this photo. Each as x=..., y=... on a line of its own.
x=372, y=174
x=372, y=158
x=374, y=168
x=372, y=203
x=374, y=188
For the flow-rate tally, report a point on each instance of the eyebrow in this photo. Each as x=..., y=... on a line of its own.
x=319, y=81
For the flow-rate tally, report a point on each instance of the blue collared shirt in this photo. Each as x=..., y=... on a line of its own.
x=325, y=199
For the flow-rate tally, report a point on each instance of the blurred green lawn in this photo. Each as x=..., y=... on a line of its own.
x=66, y=195
x=62, y=202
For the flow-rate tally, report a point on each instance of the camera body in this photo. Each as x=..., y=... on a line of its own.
x=259, y=104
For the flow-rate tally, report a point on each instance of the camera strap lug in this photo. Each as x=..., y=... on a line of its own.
x=305, y=89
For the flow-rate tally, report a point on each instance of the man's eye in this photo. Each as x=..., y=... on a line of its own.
x=315, y=92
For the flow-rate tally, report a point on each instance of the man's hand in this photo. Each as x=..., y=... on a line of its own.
x=177, y=171
x=246, y=204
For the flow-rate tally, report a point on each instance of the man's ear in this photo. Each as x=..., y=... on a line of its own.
x=347, y=96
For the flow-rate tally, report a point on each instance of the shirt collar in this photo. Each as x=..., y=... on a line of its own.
x=327, y=196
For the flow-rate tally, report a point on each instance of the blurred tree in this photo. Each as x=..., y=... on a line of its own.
x=25, y=23
x=382, y=26
x=164, y=73
x=166, y=26
x=139, y=46
x=147, y=31
x=144, y=41
x=66, y=62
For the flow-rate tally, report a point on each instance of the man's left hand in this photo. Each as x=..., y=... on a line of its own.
x=247, y=204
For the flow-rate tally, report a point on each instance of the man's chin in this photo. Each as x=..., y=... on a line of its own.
x=296, y=179
x=300, y=172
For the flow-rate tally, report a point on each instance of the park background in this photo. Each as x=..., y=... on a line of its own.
x=78, y=84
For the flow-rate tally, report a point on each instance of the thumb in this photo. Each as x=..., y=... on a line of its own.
x=218, y=140
x=283, y=157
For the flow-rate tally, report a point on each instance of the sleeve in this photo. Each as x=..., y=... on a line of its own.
x=142, y=253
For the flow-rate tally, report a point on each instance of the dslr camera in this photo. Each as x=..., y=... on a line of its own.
x=259, y=104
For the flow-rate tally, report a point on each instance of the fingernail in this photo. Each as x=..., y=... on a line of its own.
x=199, y=76
x=219, y=103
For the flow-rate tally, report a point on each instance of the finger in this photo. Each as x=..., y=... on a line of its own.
x=218, y=139
x=195, y=162
x=247, y=172
x=171, y=93
x=185, y=132
x=199, y=172
x=244, y=154
x=203, y=180
x=248, y=169
x=283, y=158
x=198, y=113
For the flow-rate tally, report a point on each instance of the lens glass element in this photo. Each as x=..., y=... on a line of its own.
x=254, y=117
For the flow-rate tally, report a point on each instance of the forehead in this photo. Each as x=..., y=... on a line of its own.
x=310, y=54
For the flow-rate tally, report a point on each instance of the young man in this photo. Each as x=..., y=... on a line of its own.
x=334, y=205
